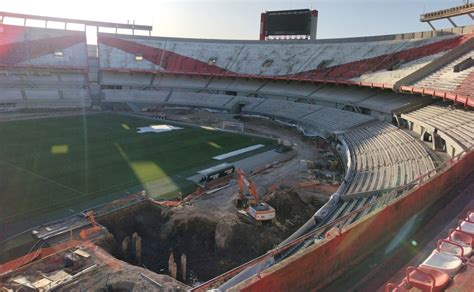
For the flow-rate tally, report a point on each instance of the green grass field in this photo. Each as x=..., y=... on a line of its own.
x=68, y=163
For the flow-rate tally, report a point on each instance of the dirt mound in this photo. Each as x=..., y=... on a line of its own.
x=290, y=209
x=244, y=240
x=235, y=236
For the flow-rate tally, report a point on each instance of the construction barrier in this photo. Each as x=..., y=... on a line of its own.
x=37, y=254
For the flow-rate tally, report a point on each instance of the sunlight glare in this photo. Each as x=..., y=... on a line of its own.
x=59, y=149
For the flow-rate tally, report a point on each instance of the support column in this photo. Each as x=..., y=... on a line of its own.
x=126, y=245
x=183, y=267
x=137, y=248
x=172, y=267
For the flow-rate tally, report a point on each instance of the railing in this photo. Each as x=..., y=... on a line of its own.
x=99, y=210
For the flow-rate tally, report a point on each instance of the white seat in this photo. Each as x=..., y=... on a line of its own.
x=454, y=250
x=467, y=227
x=471, y=216
x=447, y=263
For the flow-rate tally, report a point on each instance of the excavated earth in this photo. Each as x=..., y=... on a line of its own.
x=213, y=242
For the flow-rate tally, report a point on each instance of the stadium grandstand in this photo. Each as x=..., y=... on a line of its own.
x=85, y=197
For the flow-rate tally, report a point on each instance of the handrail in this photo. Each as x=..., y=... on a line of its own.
x=468, y=236
x=457, y=245
x=390, y=287
x=428, y=275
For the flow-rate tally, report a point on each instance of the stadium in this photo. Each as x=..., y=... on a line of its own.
x=288, y=163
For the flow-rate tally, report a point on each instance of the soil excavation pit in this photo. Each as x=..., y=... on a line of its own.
x=195, y=245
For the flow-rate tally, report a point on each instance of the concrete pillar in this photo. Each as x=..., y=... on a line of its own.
x=126, y=245
x=437, y=144
x=433, y=141
x=183, y=267
x=314, y=24
x=172, y=267
x=137, y=248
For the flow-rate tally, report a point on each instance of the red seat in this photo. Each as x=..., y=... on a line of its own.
x=427, y=279
x=461, y=237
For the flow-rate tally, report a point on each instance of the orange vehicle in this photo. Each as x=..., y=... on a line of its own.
x=250, y=204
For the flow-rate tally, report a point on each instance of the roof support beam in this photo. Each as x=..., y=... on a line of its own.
x=432, y=26
x=452, y=22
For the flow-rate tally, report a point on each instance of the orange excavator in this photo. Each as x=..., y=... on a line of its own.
x=89, y=232
x=248, y=204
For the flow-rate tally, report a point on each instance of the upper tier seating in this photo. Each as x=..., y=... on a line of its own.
x=319, y=60
x=466, y=87
x=446, y=79
x=456, y=123
x=392, y=76
x=384, y=157
x=37, y=47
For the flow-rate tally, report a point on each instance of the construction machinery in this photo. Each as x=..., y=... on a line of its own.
x=248, y=204
x=90, y=232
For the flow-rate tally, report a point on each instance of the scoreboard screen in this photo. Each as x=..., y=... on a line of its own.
x=288, y=22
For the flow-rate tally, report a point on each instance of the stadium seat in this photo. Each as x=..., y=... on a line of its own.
x=461, y=237
x=442, y=261
x=427, y=279
x=466, y=226
x=445, y=79
x=470, y=216
x=456, y=123
x=454, y=248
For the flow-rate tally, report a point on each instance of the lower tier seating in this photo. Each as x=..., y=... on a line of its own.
x=384, y=157
x=454, y=122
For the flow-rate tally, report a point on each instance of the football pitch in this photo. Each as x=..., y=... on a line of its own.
x=69, y=162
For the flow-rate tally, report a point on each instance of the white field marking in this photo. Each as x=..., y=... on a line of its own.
x=157, y=129
x=238, y=152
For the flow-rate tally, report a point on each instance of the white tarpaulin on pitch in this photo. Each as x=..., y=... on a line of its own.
x=157, y=129
x=238, y=152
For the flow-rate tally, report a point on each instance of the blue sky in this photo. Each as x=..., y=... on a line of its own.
x=239, y=19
